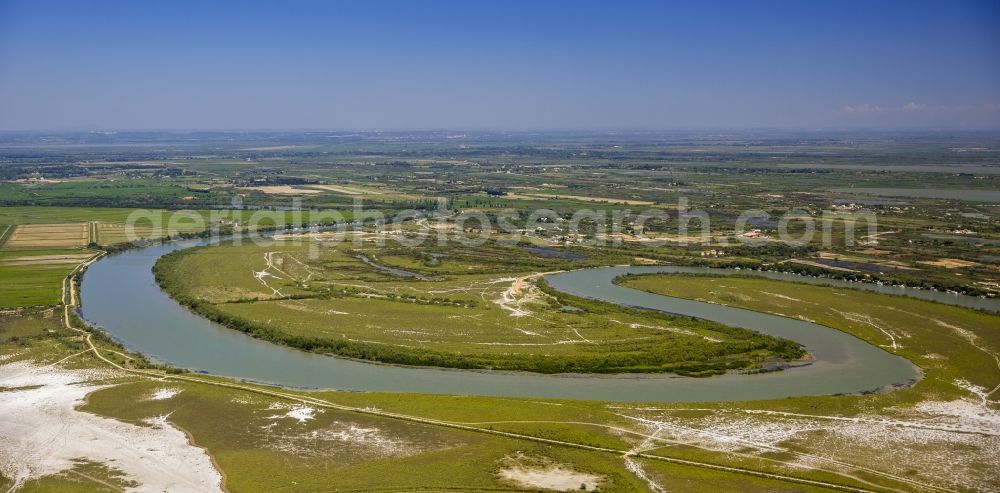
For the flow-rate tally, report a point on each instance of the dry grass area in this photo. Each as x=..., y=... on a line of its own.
x=371, y=192
x=645, y=261
x=895, y=264
x=713, y=239
x=69, y=259
x=874, y=251
x=111, y=233
x=817, y=264
x=346, y=190
x=950, y=263
x=582, y=198
x=67, y=235
x=116, y=233
x=283, y=190
x=543, y=474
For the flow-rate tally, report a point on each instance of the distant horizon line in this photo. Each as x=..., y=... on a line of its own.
x=612, y=130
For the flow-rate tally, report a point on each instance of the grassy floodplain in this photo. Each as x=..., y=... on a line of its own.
x=957, y=347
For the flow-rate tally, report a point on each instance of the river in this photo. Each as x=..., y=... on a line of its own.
x=120, y=295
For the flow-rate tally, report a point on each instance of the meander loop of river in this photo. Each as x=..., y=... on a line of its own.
x=120, y=295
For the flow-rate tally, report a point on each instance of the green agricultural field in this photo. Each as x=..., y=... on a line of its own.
x=34, y=277
x=46, y=215
x=479, y=308
x=31, y=285
x=109, y=225
x=94, y=191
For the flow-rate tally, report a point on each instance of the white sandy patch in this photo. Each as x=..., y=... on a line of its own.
x=951, y=443
x=372, y=438
x=42, y=433
x=636, y=468
x=521, y=292
x=513, y=297
x=163, y=394
x=873, y=322
x=272, y=263
x=346, y=190
x=965, y=414
x=556, y=477
x=780, y=296
x=339, y=437
x=283, y=190
x=243, y=400
x=298, y=412
x=407, y=332
x=974, y=340
x=735, y=295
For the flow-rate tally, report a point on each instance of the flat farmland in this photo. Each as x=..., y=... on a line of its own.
x=70, y=258
x=48, y=215
x=63, y=235
x=34, y=277
x=116, y=233
x=282, y=190
x=112, y=233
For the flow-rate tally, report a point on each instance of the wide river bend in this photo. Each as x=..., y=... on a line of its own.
x=120, y=295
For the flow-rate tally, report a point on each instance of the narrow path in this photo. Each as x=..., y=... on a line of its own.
x=3, y=236
x=864, y=319
x=884, y=422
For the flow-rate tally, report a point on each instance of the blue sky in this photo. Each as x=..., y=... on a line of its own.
x=499, y=65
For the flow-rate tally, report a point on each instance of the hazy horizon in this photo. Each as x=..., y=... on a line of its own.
x=504, y=66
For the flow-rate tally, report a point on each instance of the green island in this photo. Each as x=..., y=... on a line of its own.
x=482, y=308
